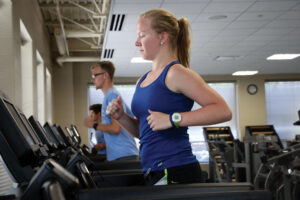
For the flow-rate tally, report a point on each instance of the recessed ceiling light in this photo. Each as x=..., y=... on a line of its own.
x=244, y=73
x=283, y=56
x=220, y=58
x=217, y=17
x=139, y=60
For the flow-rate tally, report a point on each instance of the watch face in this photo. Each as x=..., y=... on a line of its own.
x=176, y=117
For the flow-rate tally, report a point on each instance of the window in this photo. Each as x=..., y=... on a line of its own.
x=226, y=90
x=26, y=71
x=282, y=105
x=48, y=95
x=40, y=86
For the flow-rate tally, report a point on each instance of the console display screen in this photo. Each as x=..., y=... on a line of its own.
x=30, y=129
x=69, y=132
x=74, y=129
x=19, y=122
x=44, y=132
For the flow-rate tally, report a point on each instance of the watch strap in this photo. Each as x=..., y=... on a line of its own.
x=173, y=125
x=95, y=126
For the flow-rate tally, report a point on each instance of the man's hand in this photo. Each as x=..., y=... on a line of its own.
x=99, y=146
x=115, y=108
x=88, y=122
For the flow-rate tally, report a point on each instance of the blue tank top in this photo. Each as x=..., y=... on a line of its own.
x=166, y=148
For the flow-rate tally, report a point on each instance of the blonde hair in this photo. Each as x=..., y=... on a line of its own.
x=178, y=30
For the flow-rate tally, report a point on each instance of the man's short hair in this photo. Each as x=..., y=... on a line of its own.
x=96, y=108
x=106, y=66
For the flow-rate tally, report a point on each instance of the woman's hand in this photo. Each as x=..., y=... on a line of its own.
x=158, y=120
x=115, y=108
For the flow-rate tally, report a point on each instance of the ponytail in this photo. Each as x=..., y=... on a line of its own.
x=184, y=42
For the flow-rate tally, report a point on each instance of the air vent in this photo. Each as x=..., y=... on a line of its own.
x=117, y=21
x=108, y=53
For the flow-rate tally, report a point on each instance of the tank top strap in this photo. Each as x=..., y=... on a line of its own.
x=141, y=79
x=165, y=71
x=163, y=74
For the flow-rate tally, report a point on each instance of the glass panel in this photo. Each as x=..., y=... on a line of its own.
x=282, y=105
x=200, y=149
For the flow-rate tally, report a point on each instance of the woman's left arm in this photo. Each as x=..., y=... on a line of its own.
x=182, y=80
x=214, y=109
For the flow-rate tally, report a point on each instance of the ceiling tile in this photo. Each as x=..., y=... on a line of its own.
x=227, y=7
x=274, y=31
x=293, y=14
x=293, y=23
x=247, y=25
x=205, y=17
x=208, y=26
x=259, y=15
x=237, y=32
x=184, y=7
x=273, y=6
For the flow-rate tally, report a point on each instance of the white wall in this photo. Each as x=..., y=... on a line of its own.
x=11, y=80
x=64, y=107
x=7, y=71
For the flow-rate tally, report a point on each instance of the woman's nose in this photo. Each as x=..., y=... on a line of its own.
x=137, y=43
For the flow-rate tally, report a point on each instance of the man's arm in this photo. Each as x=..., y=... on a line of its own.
x=99, y=146
x=113, y=128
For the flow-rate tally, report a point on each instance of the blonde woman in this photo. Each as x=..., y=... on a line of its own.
x=164, y=98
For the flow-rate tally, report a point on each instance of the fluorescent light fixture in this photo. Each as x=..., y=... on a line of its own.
x=283, y=56
x=244, y=73
x=222, y=58
x=139, y=60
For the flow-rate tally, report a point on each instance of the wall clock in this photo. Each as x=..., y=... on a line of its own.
x=252, y=89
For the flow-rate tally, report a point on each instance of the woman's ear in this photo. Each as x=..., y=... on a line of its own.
x=164, y=37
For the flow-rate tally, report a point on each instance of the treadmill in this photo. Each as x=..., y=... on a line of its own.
x=37, y=181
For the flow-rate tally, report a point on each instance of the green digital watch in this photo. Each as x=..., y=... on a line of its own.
x=176, y=119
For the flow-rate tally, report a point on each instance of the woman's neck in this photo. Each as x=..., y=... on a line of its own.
x=161, y=61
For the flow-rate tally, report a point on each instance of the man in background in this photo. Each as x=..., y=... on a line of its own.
x=119, y=144
x=92, y=121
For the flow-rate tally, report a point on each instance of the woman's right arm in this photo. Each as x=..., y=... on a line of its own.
x=115, y=110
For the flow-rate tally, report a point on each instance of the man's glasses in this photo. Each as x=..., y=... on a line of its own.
x=98, y=74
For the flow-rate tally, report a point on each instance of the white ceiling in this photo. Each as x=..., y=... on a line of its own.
x=253, y=30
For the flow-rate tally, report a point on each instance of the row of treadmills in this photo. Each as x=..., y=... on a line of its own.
x=48, y=162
